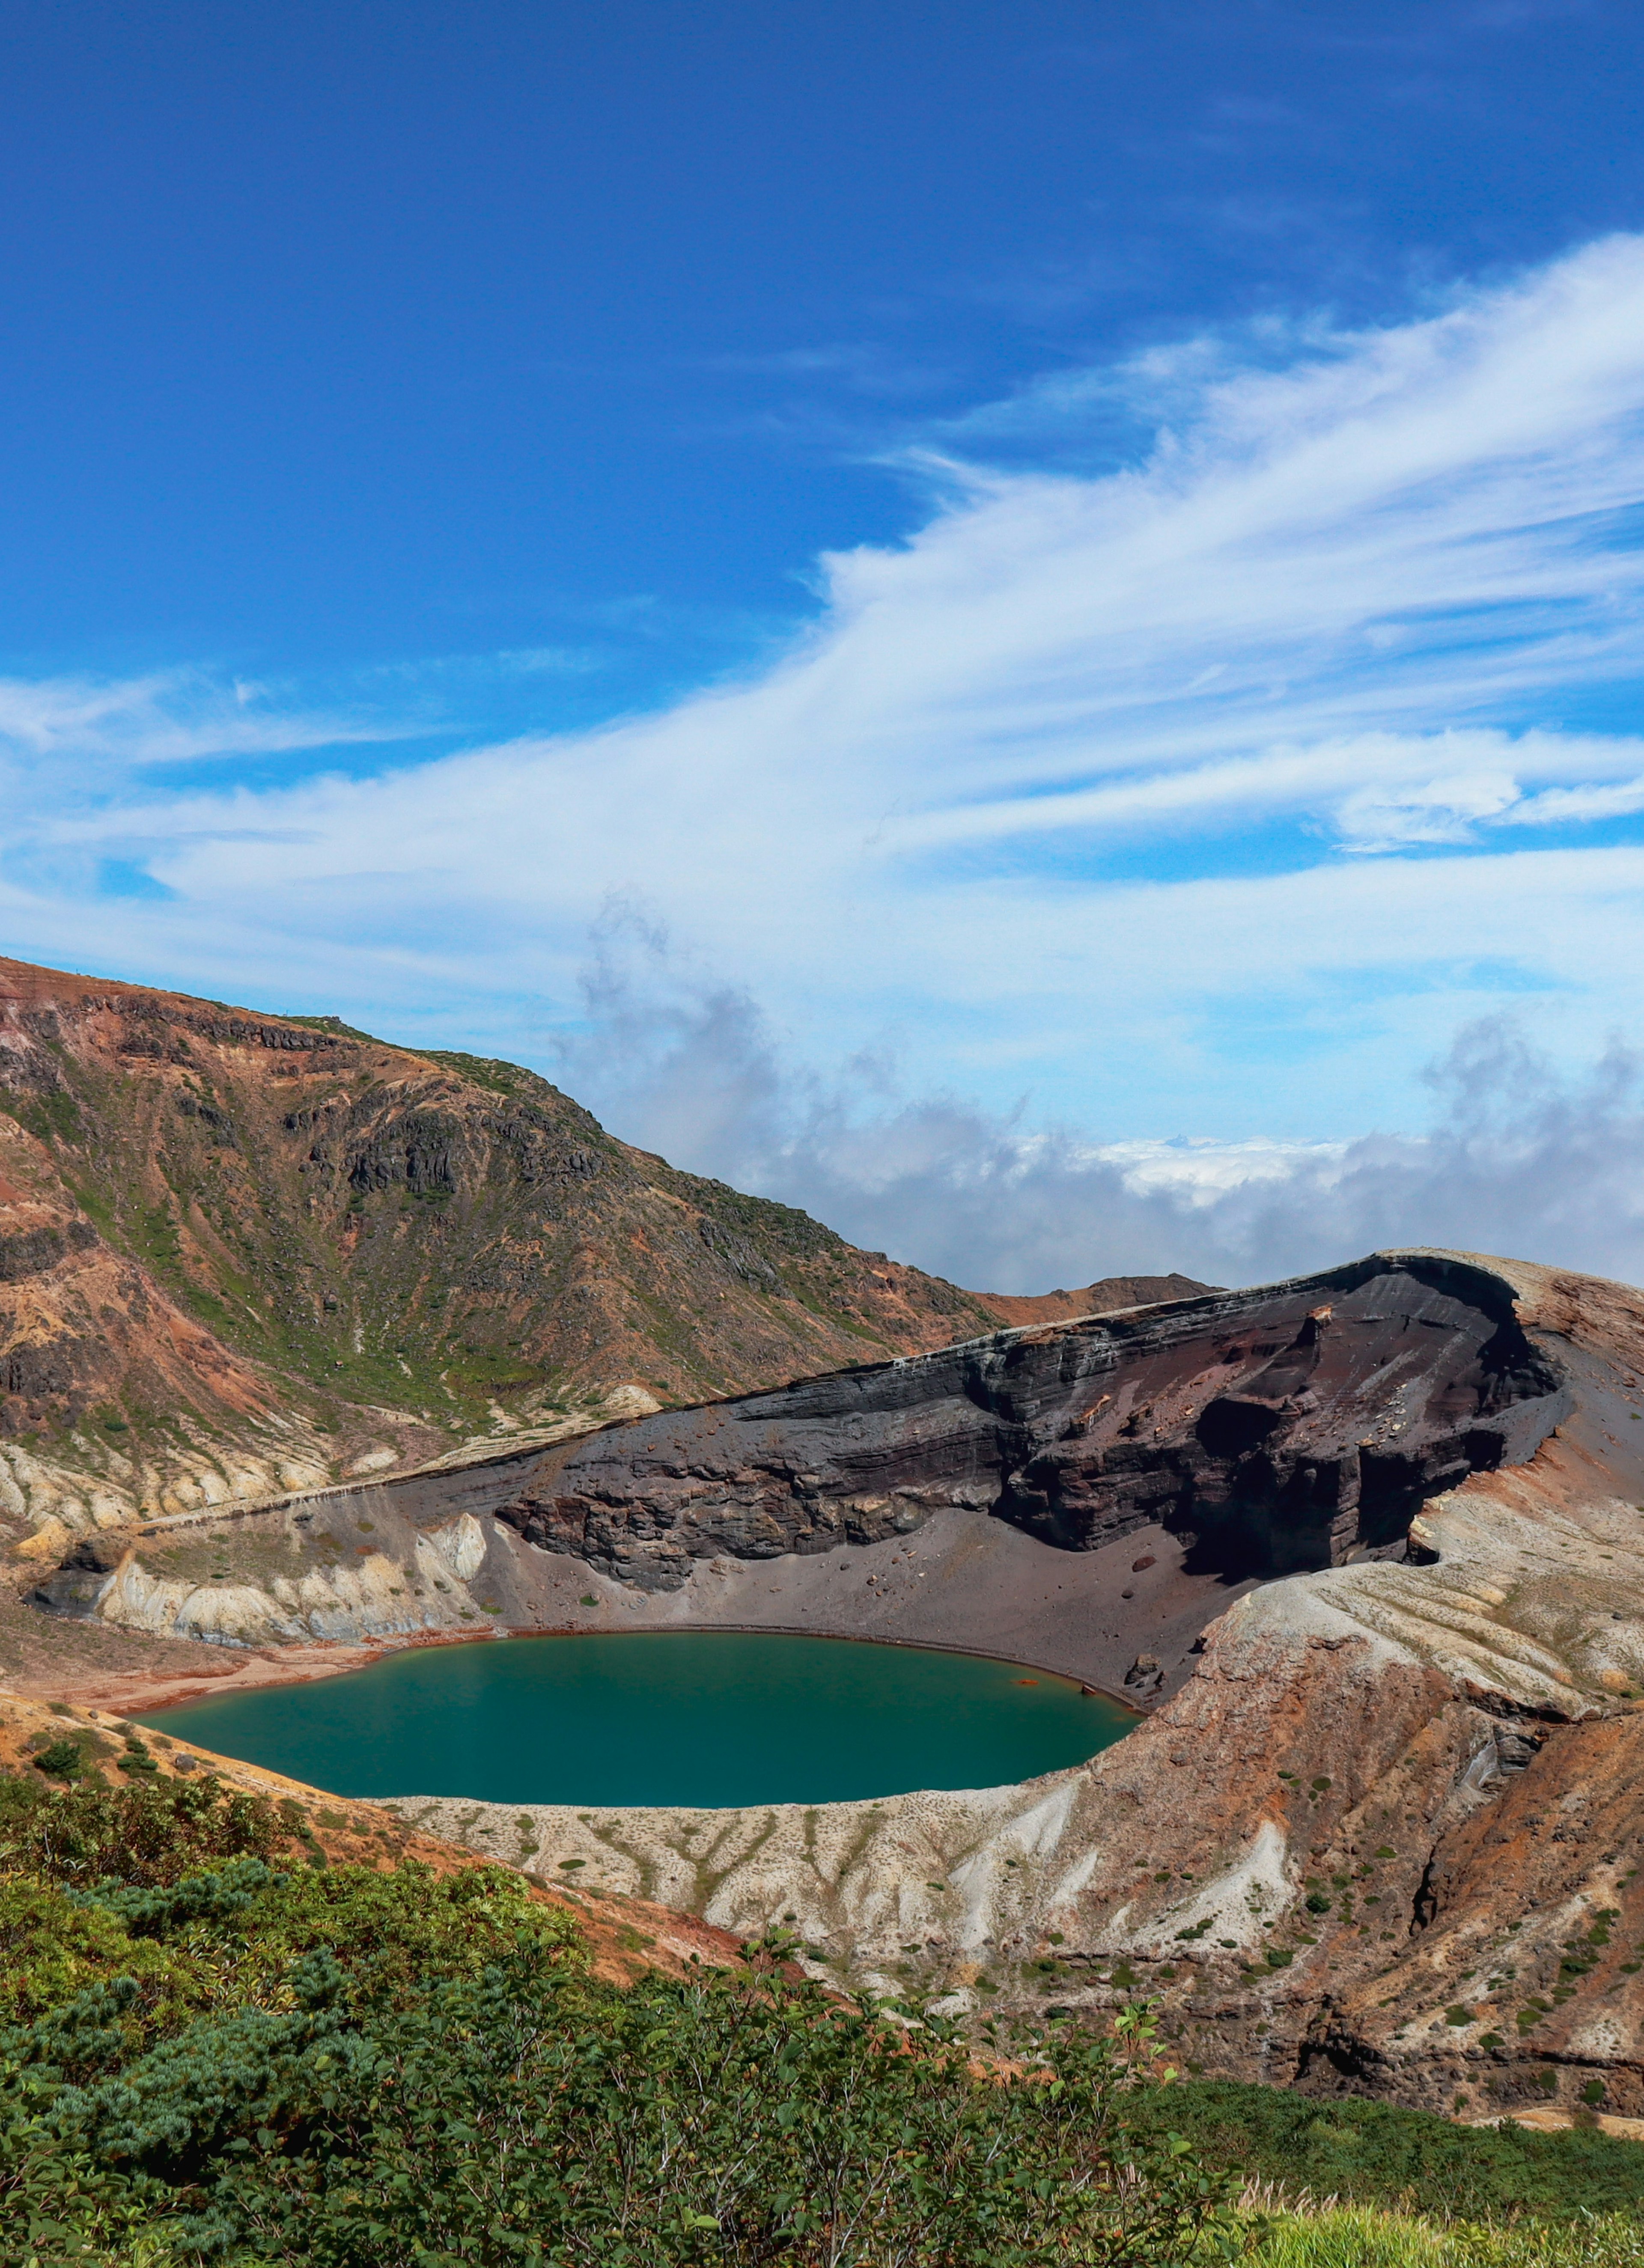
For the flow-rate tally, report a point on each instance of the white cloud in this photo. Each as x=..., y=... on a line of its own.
x=89, y=726
x=1199, y=1171
x=1058, y=790
x=1445, y=810
x=1556, y=806
x=1521, y=1159
x=1484, y=776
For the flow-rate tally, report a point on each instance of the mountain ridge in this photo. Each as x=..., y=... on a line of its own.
x=243, y=1253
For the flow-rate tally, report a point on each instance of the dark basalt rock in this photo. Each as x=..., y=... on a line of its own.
x=74, y=1586
x=1296, y=1425
x=37, y=1370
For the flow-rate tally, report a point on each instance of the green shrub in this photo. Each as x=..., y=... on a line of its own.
x=64, y=1759
x=227, y=1939
x=52, y=1950
x=1378, y=2153
x=206, y=2066
x=733, y=2116
x=153, y=1832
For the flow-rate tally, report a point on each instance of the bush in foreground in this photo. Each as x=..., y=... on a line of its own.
x=354, y=2069
x=1379, y=2153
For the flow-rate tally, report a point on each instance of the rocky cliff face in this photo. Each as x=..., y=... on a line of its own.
x=1298, y=1425
x=241, y=1254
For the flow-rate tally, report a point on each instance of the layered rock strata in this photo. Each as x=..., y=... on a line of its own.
x=1298, y=1425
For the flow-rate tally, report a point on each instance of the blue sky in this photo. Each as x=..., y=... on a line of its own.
x=1079, y=562
x=358, y=337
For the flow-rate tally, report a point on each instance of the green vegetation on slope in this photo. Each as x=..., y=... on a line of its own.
x=360, y=2070
x=1380, y=2154
x=209, y=2056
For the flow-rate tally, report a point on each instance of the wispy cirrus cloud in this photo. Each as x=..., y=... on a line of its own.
x=109, y=729
x=1212, y=789
x=1427, y=788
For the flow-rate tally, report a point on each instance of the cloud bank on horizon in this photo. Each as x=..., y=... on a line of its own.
x=1214, y=792
x=1521, y=1159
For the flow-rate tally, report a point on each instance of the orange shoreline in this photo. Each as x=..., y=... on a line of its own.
x=148, y=1693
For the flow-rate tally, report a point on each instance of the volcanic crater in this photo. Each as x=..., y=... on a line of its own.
x=1365, y=1549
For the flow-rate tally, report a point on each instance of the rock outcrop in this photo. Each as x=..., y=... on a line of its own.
x=1298, y=1425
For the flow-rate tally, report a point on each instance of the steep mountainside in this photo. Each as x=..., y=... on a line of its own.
x=1099, y=1298
x=243, y=1253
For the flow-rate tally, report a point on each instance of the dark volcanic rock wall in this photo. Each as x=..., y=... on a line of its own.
x=1297, y=1425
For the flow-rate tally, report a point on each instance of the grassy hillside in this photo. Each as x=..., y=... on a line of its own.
x=221, y=1222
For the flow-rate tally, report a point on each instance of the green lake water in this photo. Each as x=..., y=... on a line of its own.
x=688, y=1717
